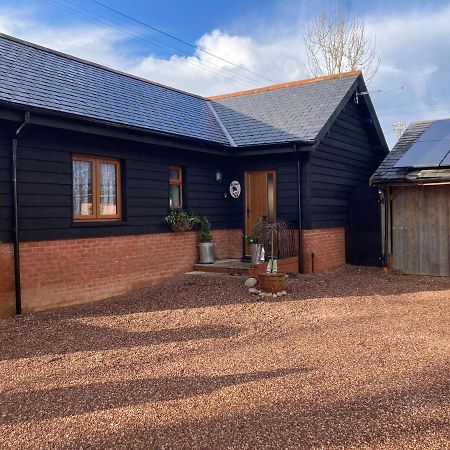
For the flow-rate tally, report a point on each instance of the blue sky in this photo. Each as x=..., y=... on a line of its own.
x=413, y=42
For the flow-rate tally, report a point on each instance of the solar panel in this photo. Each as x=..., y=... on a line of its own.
x=431, y=150
x=440, y=129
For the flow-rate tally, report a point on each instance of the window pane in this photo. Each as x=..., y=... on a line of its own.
x=270, y=196
x=108, y=189
x=82, y=188
x=174, y=174
x=175, y=195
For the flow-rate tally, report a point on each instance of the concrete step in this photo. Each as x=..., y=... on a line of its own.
x=235, y=266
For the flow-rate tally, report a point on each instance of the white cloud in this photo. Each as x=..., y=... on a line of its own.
x=207, y=75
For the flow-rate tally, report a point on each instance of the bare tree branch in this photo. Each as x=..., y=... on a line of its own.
x=339, y=44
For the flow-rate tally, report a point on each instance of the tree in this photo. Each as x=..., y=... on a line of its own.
x=339, y=44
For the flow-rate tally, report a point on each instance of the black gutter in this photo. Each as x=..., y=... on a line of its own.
x=17, y=284
x=299, y=212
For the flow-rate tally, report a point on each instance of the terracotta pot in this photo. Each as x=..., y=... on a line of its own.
x=272, y=282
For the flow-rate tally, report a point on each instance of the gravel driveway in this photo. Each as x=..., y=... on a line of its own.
x=356, y=358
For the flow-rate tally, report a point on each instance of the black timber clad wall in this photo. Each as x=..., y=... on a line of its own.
x=345, y=159
x=5, y=184
x=45, y=185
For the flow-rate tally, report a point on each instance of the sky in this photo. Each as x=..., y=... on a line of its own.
x=263, y=36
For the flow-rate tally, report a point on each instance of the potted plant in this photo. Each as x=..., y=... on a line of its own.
x=254, y=240
x=205, y=242
x=272, y=281
x=180, y=220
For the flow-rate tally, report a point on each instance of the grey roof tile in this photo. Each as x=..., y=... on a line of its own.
x=40, y=78
x=293, y=113
x=37, y=77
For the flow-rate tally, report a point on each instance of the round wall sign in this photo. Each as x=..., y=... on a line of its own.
x=235, y=189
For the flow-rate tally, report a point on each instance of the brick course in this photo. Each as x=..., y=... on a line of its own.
x=328, y=247
x=65, y=272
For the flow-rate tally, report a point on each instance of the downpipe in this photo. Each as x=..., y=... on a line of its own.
x=299, y=211
x=16, y=238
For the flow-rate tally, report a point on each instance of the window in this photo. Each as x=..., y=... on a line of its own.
x=96, y=188
x=175, y=187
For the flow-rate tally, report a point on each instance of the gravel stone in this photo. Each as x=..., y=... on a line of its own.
x=251, y=282
x=352, y=359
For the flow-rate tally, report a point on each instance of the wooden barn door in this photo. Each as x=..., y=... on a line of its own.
x=260, y=198
x=364, y=235
x=420, y=228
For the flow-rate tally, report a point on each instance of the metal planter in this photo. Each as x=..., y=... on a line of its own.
x=206, y=252
x=255, y=253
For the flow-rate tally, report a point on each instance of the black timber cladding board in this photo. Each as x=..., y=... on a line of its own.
x=344, y=160
x=45, y=185
x=5, y=182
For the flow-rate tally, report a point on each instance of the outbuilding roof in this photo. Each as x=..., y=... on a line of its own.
x=388, y=172
x=36, y=77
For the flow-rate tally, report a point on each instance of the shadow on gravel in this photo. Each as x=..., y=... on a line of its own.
x=66, y=336
x=204, y=291
x=373, y=421
x=68, y=401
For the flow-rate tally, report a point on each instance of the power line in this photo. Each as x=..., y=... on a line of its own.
x=223, y=72
x=179, y=40
x=164, y=49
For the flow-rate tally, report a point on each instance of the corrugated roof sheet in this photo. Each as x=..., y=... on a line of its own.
x=387, y=172
x=294, y=112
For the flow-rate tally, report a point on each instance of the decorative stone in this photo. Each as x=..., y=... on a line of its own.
x=254, y=291
x=251, y=282
x=283, y=293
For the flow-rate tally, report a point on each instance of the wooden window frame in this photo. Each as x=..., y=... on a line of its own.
x=96, y=216
x=177, y=182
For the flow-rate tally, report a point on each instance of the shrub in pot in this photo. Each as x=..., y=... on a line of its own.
x=180, y=220
x=255, y=240
x=272, y=281
x=205, y=242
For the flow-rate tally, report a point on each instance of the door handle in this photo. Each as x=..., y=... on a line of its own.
x=248, y=211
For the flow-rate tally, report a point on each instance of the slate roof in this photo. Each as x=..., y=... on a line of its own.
x=33, y=76
x=387, y=172
x=296, y=112
x=42, y=78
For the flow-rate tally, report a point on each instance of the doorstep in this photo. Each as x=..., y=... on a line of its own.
x=235, y=266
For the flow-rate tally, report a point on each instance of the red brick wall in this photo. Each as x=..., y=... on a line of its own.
x=65, y=272
x=228, y=243
x=328, y=247
x=6, y=280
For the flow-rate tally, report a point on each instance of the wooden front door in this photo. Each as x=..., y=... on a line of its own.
x=260, y=198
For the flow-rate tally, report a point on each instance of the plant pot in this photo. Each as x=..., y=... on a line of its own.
x=206, y=252
x=255, y=252
x=272, y=282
